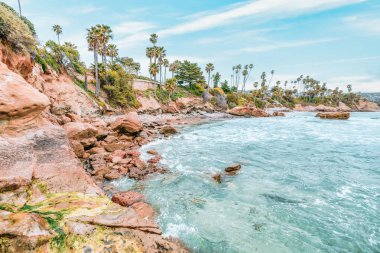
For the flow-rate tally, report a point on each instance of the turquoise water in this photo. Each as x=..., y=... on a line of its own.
x=306, y=185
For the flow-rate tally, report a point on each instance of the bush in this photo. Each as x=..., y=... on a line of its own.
x=196, y=89
x=217, y=91
x=14, y=31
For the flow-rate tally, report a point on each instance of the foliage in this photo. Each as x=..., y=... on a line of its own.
x=170, y=85
x=196, y=89
x=14, y=30
x=189, y=73
x=225, y=87
x=119, y=87
x=217, y=91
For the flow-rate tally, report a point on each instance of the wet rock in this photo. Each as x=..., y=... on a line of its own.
x=144, y=210
x=232, y=169
x=154, y=160
x=168, y=130
x=334, y=115
x=152, y=152
x=248, y=111
x=279, y=114
x=112, y=175
x=128, y=124
x=127, y=198
x=218, y=178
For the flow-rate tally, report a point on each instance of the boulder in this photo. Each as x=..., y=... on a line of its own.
x=168, y=130
x=368, y=106
x=152, y=152
x=127, y=198
x=127, y=124
x=148, y=105
x=343, y=107
x=279, y=114
x=334, y=115
x=154, y=160
x=247, y=111
x=111, y=147
x=233, y=169
x=79, y=131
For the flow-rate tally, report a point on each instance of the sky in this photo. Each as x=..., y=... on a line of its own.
x=334, y=41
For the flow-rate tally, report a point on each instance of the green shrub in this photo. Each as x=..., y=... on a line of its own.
x=14, y=31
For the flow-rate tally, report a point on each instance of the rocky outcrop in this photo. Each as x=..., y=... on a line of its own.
x=20, y=104
x=128, y=124
x=333, y=115
x=127, y=198
x=278, y=114
x=248, y=111
x=368, y=106
x=148, y=105
x=168, y=130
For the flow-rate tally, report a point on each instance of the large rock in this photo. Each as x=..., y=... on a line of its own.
x=232, y=169
x=20, y=103
x=368, y=106
x=127, y=198
x=128, y=124
x=148, y=105
x=79, y=131
x=168, y=130
x=333, y=115
x=248, y=111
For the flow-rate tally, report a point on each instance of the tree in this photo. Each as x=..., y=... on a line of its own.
x=105, y=34
x=58, y=30
x=153, y=70
x=189, y=73
x=166, y=65
x=209, y=68
x=217, y=79
x=93, y=40
x=170, y=85
x=19, y=8
x=349, y=88
x=112, y=52
x=153, y=38
x=237, y=72
x=271, y=77
x=174, y=67
x=245, y=77
x=160, y=54
x=150, y=55
x=225, y=87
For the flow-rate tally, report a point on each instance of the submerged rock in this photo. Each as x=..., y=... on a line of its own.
x=333, y=115
x=168, y=130
x=279, y=114
x=218, y=177
x=232, y=169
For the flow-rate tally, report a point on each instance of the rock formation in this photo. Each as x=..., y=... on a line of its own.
x=247, y=111
x=333, y=115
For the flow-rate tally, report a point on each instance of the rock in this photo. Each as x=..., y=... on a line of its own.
x=79, y=131
x=30, y=229
x=112, y=175
x=77, y=228
x=333, y=115
x=111, y=147
x=217, y=177
x=144, y=210
x=148, y=105
x=88, y=143
x=127, y=124
x=154, y=160
x=343, y=107
x=152, y=152
x=367, y=106
x=77, y=148
x=248, y=111
x=127, y=198
x=279, y=114
x=170, y=108
x=168, y=130
x=324, y=108
x=232, y=169
x=303, y=108
x=20, y=104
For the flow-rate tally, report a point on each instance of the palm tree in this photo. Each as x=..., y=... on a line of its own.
x=209, y=68
x=93, y=40
x=237, y=71
x=58, y=30
x=174, y=67
x=170, y=85
x=150, y=54
x=153, y=70
x=233, y=76
x=19, y=7
x=270, y=80
x=160, y=54
x=105, y=34
x=153, y=38
x=112, y=52
x=166, y=65
x=245, y=77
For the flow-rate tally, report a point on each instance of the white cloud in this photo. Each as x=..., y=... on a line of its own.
x=85, y=9
x=130, y=27
x=363, y=83
x=364, y=24
x=259, y=8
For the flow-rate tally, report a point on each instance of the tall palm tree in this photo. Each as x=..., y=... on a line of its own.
x=209, y=68
x=112, y=52
x=153, y=70
x=105, y=34
x=166, y=65
x=271, y=77
x=237, y=71
x=19, y=8
x=58, y=30
x=160, y=54
x=93, y=40
x=245, y=77
x=150, y=54
x=153, y=38
x=174, y=67
x=233, y=76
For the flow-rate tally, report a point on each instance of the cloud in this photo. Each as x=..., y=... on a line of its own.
x=85, y=9
x=364, y=24
x=257, y=9
x=130, y=27
x=363, y=83
x=283, y=45
x=132, y=40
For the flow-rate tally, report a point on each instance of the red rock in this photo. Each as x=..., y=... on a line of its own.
x=111, y=147
x=279, y=114
x=129, y=124
x=127, y=198
x=233, y=169
x=133, y=153
x=217, y=177
x=78, y=131
x=77, y=148
x=136, y=161
x=114, y=174
x=168, y=130
x=154, y=160
x=144, y=210
x=333, y=115
x=247, y=111
x=152, y=152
